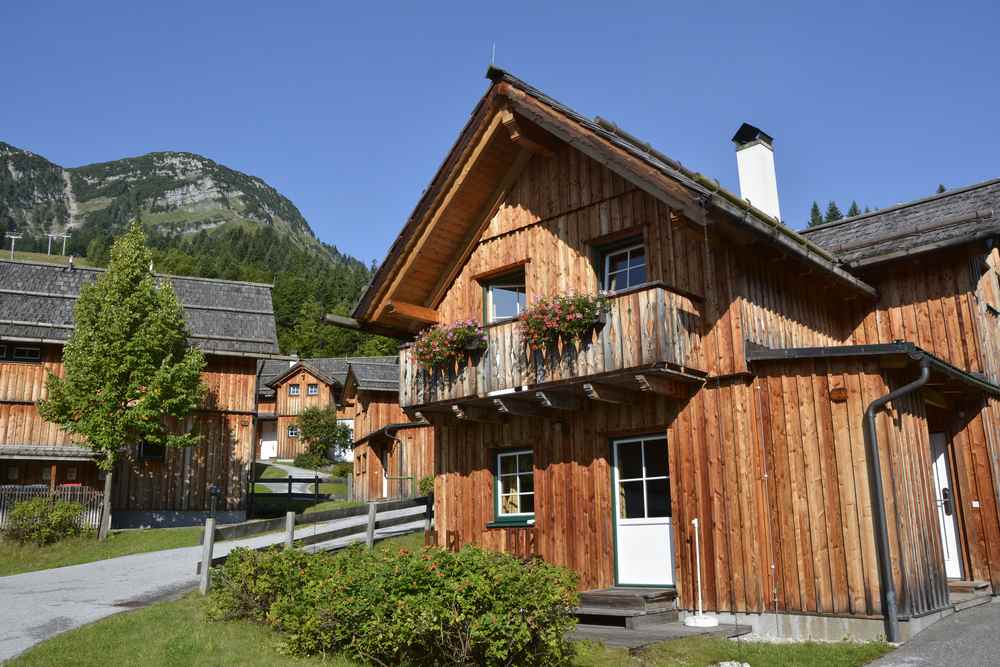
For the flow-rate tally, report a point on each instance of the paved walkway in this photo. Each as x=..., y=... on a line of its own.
x=37, y=605
x=968, y=638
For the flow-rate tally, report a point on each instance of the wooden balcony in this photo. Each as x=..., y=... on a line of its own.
x=649, y=327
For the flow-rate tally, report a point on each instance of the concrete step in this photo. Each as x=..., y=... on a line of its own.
x=963, y=601
x=966, y=586
x=629, y=599
x=635, y=639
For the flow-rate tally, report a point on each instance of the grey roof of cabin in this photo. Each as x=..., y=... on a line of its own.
x=223, y=317
x=950, y=218
x=333, y=370
x=269, y=370
x=376, y=373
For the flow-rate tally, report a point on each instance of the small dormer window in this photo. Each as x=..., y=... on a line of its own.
x=624, y=268
x=294, y=389
x=312, y=390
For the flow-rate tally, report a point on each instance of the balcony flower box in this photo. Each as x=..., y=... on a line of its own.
x=443, y=345
x=566, y=317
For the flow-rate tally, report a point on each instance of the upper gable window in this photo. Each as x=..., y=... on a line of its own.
x=624, y=267
x=293, y=390
x=312, y=390
x=505, y=296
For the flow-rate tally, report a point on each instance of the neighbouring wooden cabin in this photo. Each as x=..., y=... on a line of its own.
x=232, y=322
x=297, y=385
x=728, y=384
x=392, y=452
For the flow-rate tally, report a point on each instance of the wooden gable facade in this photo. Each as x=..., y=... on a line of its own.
x=743, y=362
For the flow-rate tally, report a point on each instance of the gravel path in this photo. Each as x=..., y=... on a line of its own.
x=38, y=605
x=968, y=638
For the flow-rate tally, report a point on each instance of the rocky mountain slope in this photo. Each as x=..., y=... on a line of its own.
x=174, y=192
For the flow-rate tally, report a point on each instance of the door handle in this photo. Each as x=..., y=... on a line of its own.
x=946, y=501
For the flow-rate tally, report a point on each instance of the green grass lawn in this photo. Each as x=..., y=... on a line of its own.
x=698, y=652
x=16, y=558
x=331, y=505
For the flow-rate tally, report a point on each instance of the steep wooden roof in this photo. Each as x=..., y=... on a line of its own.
x=223, y=317
x=513, y=122
x=950, y=218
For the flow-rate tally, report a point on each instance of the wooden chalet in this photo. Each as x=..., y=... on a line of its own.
x=729, y=382
x=392, y=452
x=232, y=322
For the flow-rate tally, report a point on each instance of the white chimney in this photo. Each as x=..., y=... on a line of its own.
x=755, y=162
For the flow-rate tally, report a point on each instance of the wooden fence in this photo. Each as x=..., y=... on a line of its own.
x=91, y=499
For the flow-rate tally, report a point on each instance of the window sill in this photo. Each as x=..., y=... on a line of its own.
x=512, y=523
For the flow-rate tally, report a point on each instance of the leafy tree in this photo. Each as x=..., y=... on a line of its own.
x=321, y=431
x=941, y=188
x=833, y=212
x=128, y=369
x=853, y=210
x=815, y=217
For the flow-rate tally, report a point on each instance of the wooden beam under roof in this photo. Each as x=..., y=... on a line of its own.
x=411, y=311
x=520, y=407
x=609, y=393
x=556, y=401
x=474, y=413
x=658, y=384
x=526, y=134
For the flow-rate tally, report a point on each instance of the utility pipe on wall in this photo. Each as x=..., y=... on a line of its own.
x=888, y=586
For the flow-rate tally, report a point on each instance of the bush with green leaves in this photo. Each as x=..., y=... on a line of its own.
x=390, y=607
x=309, y=460
x=426, y=485
x=44, y=521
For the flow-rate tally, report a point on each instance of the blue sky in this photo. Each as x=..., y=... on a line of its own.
x=348, y=110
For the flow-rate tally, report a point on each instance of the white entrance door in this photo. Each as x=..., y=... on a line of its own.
x=944, y=496
x=643, y=551
x=268, y=440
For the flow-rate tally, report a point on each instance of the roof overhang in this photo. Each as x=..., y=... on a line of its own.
x=512, y=124
x=388, y=431
x=898, y=354
x=301, y=365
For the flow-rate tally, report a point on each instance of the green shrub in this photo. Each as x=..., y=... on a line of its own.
x=342, y=469
x=426, y=485
x=309, y=460
x=430, y=607
x=44, y=521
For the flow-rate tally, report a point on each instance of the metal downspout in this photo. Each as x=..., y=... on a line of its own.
x=888, y=586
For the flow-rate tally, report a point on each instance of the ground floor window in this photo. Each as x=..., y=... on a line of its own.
x=515, y=486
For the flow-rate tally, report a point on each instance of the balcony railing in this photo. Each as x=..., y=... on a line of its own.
x=644, y=326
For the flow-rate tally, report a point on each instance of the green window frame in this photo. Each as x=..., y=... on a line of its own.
x=514, y=487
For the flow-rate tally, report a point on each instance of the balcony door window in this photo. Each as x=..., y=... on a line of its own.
x=506, y=297
x=624, y=268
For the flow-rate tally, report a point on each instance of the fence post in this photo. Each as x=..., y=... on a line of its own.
x=428, y=513
x=370, y=535
x=316, y=487
x=350, y=487
x=289, y=529
x=208, y=543
x=289, y=487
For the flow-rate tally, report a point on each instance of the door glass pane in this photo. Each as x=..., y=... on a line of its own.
x=630, y=460
x=527, y=503
x=630, y=502
x=656, y=457
x=658, y=497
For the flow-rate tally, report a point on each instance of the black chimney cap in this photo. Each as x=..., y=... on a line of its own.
x=748, y=133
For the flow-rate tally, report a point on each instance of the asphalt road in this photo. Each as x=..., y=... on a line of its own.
x=37, y=605
x=968, y=638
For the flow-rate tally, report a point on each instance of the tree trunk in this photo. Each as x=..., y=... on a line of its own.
x=102, y=533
